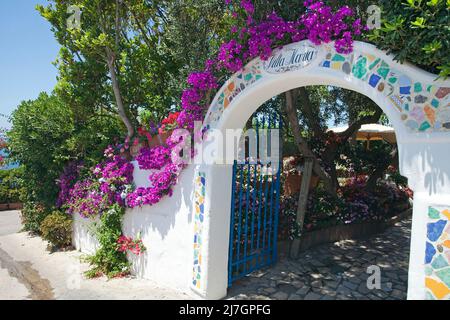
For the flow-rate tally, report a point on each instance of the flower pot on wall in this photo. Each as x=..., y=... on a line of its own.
x=160, y=139
x=293, y=182
x=292, y=172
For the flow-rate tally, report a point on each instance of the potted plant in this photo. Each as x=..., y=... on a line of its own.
x=167, y=126
x=292, y=171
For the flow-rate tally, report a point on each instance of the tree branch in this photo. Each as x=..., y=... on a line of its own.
x=355, y=126
x=311, y=116
x=304, y=148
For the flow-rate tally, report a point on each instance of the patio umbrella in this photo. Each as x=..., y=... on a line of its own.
x=372, y=132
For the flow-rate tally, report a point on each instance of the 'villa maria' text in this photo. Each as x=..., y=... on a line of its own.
x=291, y=59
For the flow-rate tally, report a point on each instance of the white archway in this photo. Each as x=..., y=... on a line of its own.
x=417, y=105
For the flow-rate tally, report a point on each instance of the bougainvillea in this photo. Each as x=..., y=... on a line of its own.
x=162, y=183
x=109, y=183
x=125, y=244
x=66, y=181
x=153, y=158
x=320, y=24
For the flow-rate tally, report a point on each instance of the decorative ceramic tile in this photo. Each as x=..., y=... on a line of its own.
x=199, y=216
x=437, y=255
x=423, y=107
x=234, y=86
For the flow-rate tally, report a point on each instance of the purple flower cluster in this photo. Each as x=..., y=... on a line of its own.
x=153, y=158
x=320, y=24
x=203, y=81
x=66, y=181
x=108, y=184
x=162, y=183
x=115, y=171
x=87, y=200
x=230, y=56
x=324, y=25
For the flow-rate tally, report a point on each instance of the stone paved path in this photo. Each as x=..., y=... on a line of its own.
x=336, y=271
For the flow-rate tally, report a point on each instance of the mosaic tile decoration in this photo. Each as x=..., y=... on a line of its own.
x=199, y=216
x=423, y=107
x=238, y=83
x=437, y=255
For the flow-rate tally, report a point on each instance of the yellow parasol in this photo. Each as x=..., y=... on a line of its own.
x=372, y=132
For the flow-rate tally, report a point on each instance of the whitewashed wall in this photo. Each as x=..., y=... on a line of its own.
x=83, y=236
x=166, y=230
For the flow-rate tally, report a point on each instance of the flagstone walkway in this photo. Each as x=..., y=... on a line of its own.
x=336, y=271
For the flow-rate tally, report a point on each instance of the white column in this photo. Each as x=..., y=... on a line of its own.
x=216, y=230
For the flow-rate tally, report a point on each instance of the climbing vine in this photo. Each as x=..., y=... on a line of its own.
x=108, y=259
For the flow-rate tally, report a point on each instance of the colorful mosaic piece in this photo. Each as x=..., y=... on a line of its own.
x=423, y=107
x=238, y=83
x=199, y=217
x=437, y=255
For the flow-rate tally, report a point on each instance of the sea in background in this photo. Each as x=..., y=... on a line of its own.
x=9, y=166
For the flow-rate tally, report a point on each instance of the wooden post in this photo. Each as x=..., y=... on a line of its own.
x=302, y=202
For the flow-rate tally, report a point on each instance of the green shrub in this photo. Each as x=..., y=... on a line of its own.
x=33, y=214
x=108, y=260
x=57, y=229
x=11, y=185
x=417, y=31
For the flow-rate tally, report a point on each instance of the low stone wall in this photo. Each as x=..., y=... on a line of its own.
x=10, y=206
x=341, y=232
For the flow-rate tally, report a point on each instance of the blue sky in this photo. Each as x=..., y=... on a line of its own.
x=27, y=50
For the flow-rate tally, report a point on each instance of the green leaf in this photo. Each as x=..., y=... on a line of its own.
x=419, y=22
x=430, y=48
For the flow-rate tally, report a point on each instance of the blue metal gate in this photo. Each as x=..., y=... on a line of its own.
x=254, y=208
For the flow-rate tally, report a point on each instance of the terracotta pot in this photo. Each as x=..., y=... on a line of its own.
x=293, y=183
x=160, y=139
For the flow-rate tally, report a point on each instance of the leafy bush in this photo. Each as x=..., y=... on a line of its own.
x=11, y=185
x=56, y=228
x=417, y=31
x=33, y=214
x=38, y=140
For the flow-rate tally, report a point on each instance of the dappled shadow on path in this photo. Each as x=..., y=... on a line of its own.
x=337, y=271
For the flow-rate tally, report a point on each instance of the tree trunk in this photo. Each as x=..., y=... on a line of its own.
x=303, y=147
x=118, y=96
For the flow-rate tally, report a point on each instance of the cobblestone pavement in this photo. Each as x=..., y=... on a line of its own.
x=336, y=271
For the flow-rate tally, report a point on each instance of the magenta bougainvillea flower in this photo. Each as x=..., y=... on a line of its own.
x=112, y=179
